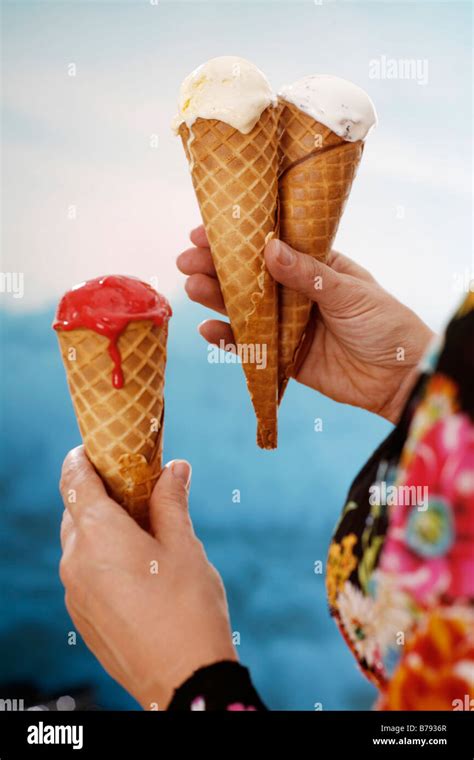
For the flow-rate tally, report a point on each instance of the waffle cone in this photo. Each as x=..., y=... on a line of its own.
x=235, y=179
x=122, y=429
x=317, y=168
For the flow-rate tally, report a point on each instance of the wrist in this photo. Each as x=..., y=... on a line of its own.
x=394, y=408
x=393, y=411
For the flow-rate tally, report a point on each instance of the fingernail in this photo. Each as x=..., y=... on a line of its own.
x=285, y=255
x=182, y=471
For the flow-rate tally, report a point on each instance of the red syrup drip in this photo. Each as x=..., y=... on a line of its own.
x=107, y=305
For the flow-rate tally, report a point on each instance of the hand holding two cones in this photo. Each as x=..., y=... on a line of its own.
x=349, y=352
x=263, y=167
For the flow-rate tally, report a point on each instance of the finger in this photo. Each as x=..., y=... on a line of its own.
x=169, y=501
x=195, y=261
x=67, y=525
x=217, y=332
x=341, y=263
x=206, y=291
x=312, y=278
x=81, y=488
x=198, y=237
x=306, y=342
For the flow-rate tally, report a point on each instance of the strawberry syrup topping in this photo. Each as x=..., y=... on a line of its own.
x=107, y=305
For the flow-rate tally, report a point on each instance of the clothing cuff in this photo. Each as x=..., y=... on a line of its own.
x=224, y=685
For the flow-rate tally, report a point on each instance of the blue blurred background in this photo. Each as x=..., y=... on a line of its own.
x=265, y=546
x=85, y=192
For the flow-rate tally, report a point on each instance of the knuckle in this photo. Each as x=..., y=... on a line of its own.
x=182, y=261
x=89, y=524
x=199, y=550
x=175, y=497
x=190, y=548
x=190, y=287
x=68, y=470
x=65, y=573
x=66, y=473
x=309, y=270
x=198, y=546
x=69, y=603
x=216, y=576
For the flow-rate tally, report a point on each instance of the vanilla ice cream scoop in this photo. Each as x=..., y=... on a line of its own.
x=338, y=104
x=229, y=89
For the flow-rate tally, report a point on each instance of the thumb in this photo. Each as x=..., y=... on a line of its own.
x=169, y=501
x=81, y=488
x=303, y=273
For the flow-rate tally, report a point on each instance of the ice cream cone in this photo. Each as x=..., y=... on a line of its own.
x=112, y=334
x=121, y=427
x=235, y=179
x=317, y=168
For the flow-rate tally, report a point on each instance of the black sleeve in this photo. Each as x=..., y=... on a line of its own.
x=222, y=686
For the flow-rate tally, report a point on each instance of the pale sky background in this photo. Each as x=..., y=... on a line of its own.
x=84, y=141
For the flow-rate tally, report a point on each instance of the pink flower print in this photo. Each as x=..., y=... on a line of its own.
x=432, y=551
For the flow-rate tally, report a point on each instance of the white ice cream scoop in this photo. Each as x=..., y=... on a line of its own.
x=338, y=104
x=229, y=89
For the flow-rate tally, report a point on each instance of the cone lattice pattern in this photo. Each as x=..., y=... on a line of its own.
x=317, y=169
x=121, y=428
x=235, y=179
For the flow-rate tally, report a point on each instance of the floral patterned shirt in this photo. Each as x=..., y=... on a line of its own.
x=400, y=569
x=400, y=573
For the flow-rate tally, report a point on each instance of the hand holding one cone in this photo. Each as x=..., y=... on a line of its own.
x=261, y=167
